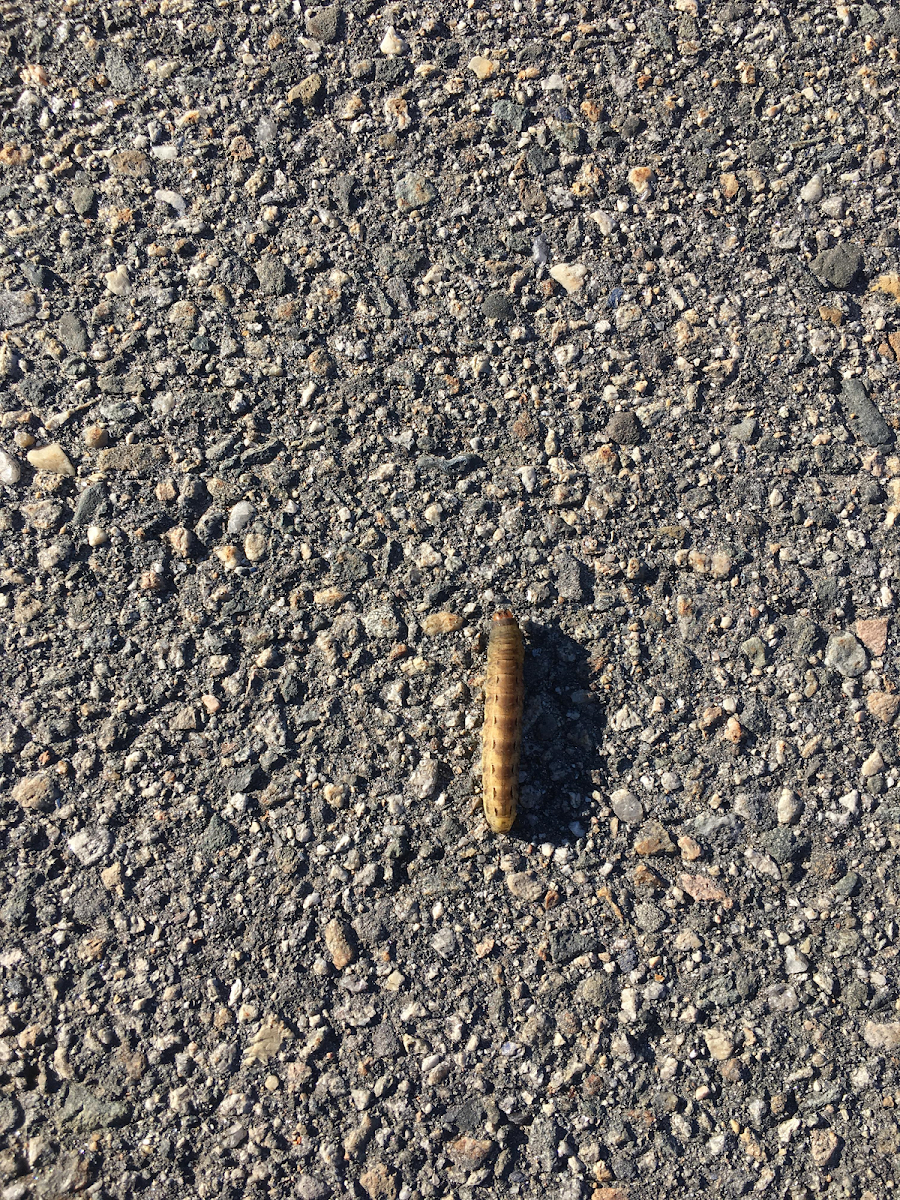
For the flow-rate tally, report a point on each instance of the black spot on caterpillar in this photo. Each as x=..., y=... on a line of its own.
x=504, y=694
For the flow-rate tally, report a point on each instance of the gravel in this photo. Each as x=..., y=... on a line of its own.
x=324, y=333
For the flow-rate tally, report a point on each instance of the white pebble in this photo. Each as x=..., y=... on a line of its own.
x=10, y=471
x=391, y=44
x=569, y=275
x=811, y=193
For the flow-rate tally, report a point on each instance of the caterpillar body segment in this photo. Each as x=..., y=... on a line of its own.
x=504, y=694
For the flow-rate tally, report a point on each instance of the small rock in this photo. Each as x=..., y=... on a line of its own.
x=655, y=840
x=873, y=765
x=782, y=998
x=323, y=24
x=719, y=1043
x=329, y=597
x=482, y=68
x=240, y=516
x=378, y=1183
x=469, y=1153
x=90, y=845
x=745, y=431
x=873, y=635
x=36, y=792
x=117, y=281
x=795, y=962
x=337, y=942
x=624, y=429
x=838, y=266
x=16, y=308
x=72, y=333
x=308, y=91
x=823, y=1146
x=51, y=458
x=392, y=44
x=414, y=191
x=640, y=180
x=627, y=807
x=607, y=222
x=755, y=650
x=789, y=807
x=497, y=306
x=845, y=655
x=425, y=779
x=528, y=475
x=864, y=419
x=690, y=849
x=274, y=278
x=811, y=193
x=10, y=471
x=526, y=885
x=882, y=1036
x=571, y=276
x=255, y=546
x=703, y=888
x=883, y=705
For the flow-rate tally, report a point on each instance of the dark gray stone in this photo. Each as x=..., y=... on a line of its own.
x=89, y=504
x=83, y=199
x=863, y=416
x=510, y=114
x=273, y=276
x=571, y=943
x=624, y=429
x=218, y=835
x=72, y=333
x=324, y=23
x=84, y=1112
x=16, y=308
x=497, y=306
x=838, y=266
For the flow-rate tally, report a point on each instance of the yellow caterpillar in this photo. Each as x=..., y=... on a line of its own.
x=504, y=694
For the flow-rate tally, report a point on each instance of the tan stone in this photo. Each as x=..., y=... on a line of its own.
x=883, y=705
x=51, y=458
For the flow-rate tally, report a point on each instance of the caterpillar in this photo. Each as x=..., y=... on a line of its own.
x=504, y=693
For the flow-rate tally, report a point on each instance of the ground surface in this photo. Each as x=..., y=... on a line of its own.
x=327, y=333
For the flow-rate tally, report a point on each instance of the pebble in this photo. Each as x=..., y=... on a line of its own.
x=719, y=1043
x=526, y=885
x=117, y=281
x=51, y=458
x=10, y=471
x=414, y=191
x=16, y=308
x=570, y=276
x=627, y=807
x=883, y=705
x=873, y=632
x=811, y=193
x=845, y=655
x=789, y=808
x=392, y=44
x=240, y=516
x=481, y=67
x=838, y=266
x=863, y=416
x=882, y=1035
